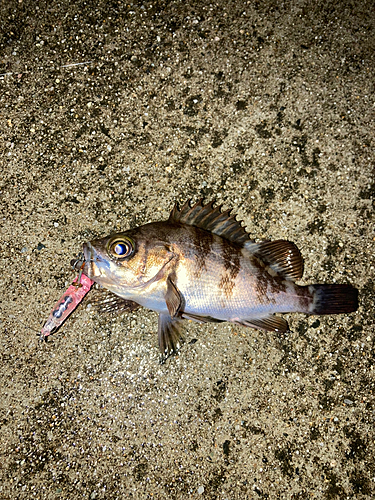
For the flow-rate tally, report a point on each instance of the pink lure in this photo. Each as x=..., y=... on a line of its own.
x=66, y=305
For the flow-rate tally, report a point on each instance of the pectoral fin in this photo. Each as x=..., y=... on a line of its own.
x=104, y=301
x=169, y=335
x=173, y=298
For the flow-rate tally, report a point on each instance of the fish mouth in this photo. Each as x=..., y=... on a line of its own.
x=94, y=266
x=78, y=262
x=86, y=260
x=83, y=258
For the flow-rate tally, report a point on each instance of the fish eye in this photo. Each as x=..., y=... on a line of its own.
x=121, y=248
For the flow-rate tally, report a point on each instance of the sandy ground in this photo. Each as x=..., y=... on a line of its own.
x=109, y=113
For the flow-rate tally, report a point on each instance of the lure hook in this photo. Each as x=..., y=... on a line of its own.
x=78, y=264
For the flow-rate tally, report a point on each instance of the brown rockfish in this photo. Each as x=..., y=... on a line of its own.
x=200, y=264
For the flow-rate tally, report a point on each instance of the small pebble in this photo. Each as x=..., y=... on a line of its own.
x=200, y=490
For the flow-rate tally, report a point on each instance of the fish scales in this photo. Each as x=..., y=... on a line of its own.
x=232, y=285
x=201, y=264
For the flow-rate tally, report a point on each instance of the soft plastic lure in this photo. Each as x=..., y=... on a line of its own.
x=66, y=305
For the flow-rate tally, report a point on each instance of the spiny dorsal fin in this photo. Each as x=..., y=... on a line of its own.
x=211, y=219
x=282, y=256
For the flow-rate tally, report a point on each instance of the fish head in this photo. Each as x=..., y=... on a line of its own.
x=127, y=262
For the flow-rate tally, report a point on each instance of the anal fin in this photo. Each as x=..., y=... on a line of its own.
x=269, y=324
x=169, y=335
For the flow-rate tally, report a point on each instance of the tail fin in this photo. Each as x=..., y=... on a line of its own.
x=334, y=299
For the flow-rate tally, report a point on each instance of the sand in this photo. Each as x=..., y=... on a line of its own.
x=109, y=113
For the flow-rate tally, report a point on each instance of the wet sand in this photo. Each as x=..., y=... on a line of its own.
x=109, y=113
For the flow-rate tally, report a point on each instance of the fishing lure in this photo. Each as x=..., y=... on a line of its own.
x=67, y=303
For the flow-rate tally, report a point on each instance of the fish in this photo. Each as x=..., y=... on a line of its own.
x=202, y=265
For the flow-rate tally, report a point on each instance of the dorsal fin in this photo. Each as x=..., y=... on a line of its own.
x=211, y=219
x=282, y=256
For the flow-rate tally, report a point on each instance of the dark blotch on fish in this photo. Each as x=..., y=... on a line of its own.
x=231, y=260
x=202, y=245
